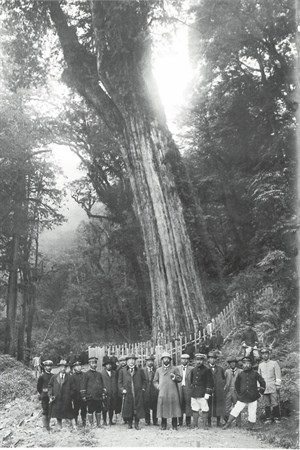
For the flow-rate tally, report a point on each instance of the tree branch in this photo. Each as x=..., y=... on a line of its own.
x=82, y=70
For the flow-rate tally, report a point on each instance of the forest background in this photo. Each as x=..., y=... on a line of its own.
x=217, y=205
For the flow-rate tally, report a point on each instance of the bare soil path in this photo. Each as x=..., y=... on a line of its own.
x=20, y=426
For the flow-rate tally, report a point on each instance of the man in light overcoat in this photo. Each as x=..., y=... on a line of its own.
x=166, y=380
x=230, y=393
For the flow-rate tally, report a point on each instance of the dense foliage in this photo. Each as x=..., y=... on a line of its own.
x=240, y=149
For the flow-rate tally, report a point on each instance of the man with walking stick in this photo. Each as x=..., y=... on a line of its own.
x=132, y=385
x=271, y=373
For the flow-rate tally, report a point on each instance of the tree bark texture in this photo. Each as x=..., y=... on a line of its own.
x=118, y=83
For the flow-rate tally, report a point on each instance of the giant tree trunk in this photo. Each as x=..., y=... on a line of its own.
x=127, y=101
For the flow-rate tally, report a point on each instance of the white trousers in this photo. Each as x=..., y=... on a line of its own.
x=239, y=406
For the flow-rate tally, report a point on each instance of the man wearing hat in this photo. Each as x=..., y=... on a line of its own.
x=246, y=385
x=121, y=366
x=42, y=388
x=184, y=388
x=95, y=393
x=202, y=384
x=61, y=393
x=132, y=385
x=166, y=380
x=230, y=393
x=151, y=393
x=109, y=377
x=271, y=373
x=79, y=392
x=217, y=401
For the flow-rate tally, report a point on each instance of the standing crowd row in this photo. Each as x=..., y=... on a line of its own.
x=179, y=393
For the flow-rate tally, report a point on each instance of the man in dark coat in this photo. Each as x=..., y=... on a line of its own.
x=109, y=377
x=247, y=393
x=42, y=388
x=114, y=360
x=249, y=336
x=132, y=385
x=151, y=393
x=217, y=401
x=166, y=380
x=121, y=366
x=184, y=389
x=202, y=384
x=61, y=393
x=94, y=389
x=79, y=392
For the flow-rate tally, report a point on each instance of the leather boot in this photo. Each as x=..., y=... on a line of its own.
x=46, y=423
x=163, y=424
x=228, y=423
x=98, y=420
x=209, y=421
x=174, y=423
x=268, y=415
x=195, y=419
x=59, y=423
x=84, y=422
x=218, y=421
x=180, y=421
x=205, y=420
x=91, y=419
x=239, y=421
x=136, y=424
x=104, y=414
x=129, y=422
x=276, y=414
x=188, y=421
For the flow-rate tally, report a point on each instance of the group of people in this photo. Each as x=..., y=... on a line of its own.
x=179, y=393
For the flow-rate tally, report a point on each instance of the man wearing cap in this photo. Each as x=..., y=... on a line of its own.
x=217, y=401
x=95, y=393
x=61, y=393
x=42, y=388
x=166, y=380
x=271, y=373
x=248, y=392
x=151, y=393
x=202, y=384
x=230, y=393
x=109, y=377
x=184, y=388
x=132, y=385
x=79, y=392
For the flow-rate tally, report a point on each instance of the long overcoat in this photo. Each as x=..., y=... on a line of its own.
x=217, y=401
x=185, y=394
x=151, y=393
x=63, y=392
x=168, y=402
x=135, y=386
x=111, y=386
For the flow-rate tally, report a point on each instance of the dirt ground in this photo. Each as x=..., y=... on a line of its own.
x=21, y=426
